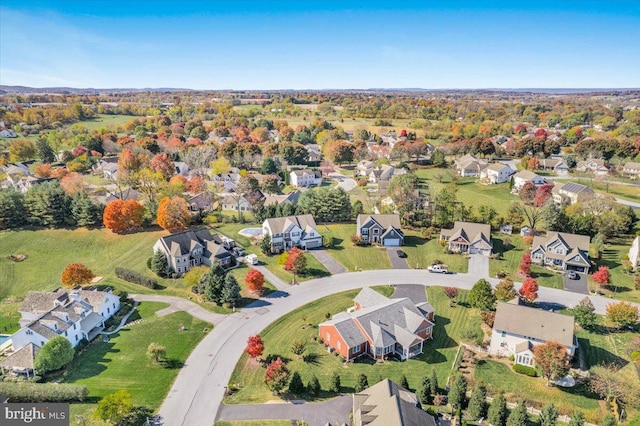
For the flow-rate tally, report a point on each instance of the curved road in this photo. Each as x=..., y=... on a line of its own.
x=196, y=395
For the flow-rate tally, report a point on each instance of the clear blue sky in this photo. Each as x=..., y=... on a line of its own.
x=317, y=45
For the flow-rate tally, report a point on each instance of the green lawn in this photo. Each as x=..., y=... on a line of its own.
x=107, y=367
x=622, y=283
x=106, y=120
x=498, y=376
x=421, y=253
x=352, y=257
x=627, y=192
x=438, y=353
x=9, y=318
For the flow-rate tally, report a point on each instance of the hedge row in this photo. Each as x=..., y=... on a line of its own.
x=43, y=392
x=523, y=369
x=136, y=278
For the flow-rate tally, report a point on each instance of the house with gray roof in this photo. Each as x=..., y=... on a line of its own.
x=557, y=165
x=569, y=252
x=305, y=178
x=291, y=197
x=379, y=327
x=292, y=231
x=190, y=248
x=496, y=173
x=383, y=229
x=631, y=169
x=387, y=404
x=468, y=237
x=597, y=166
x=470, y=166
x=517, y=329
x=571, y=193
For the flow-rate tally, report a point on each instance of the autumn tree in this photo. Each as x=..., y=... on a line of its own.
x=622, y=314
x=296, y=262
x=529, y=290
x=21, y=150
x=72, y=183
x=527, y=193
x=196, y=185
x=156, y=352
x=43, y=170
x=173, y=214
x=543, y=193
x=163, y=164
x=277, y=375
x=76, y=274
x=505, y=290
x=255, y=346
x=552, y=359
x=254, y=281
x=525, y=264
x=451, y=293
x=602, y=276
x=123, y=216
x=113, y=407
x=605, y=382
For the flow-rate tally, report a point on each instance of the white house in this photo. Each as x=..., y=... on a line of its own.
x=524, y=176
x=468, y=237
x=557, y=165
x=496, y=173
x=634, y=254
x=292, y=231
x=517, y=329
x=596, y=166
x=365, y=167
x=6, y=133
x=562, y=250
x=305, y=178
x=470, y=166
x=631, y=169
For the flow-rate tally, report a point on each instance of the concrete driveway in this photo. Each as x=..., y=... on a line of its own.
x=415, y=292
x=332, y=265
x=396, y=261
x=479, y=265
x=335, y=411
x=578, y=285
x=344, y=182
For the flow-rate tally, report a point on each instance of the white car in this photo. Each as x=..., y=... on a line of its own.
x=438, y=269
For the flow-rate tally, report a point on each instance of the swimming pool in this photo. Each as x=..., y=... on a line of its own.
x=251, y=232
x=4, y=338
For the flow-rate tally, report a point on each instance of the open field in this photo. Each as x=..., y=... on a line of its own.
x=105, y=367
x=438, y=353
x=627, y=192
x=353, y=124
x=106, y=120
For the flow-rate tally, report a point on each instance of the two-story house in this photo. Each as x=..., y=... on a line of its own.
x=496, y=173
x=108, y=167
x=292, y=231
x=379, y=327
x=517, y=329
x=524, y=176
x=365, y=167
x=470, y=166
x=597, y=166
x=190, y=248
x=571, y=193
x=557, y=165
x=468, y=237
x=383, y=229
x=631, y=169
x=305, y=178
x=562, y=250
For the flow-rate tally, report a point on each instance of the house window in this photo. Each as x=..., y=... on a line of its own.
x=356, y=349
x=503, y=334
x=388, y=349
x=365, y=231
x=328, y=337
x=338, y=345
x=65, y=333
x=378, y=351
x=376, y=231
x=108, y=311
x=114, y=305
x=74, y=326
x=41, y=343
x=76, y=337
x=29, y=332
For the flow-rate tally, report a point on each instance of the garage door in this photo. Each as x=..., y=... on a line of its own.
x=314, y=244
x=392, y=242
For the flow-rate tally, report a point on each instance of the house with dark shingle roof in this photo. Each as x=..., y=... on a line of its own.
x=468, y=237
x=571, y=193
x=383, y=229
x=562, y=250
x=292, y=231
x=190, y=248
x=379, y=327
x=387, y=404
x=517, y=329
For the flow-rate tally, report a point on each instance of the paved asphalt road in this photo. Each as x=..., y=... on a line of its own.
x=196, y=394
x=577, y=285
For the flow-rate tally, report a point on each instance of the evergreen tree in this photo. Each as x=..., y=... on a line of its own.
x=577, y=419
x=434, y=382
x=404, y=382
x=481, y=296
x=296, y=386
x=265, y=245
x=83, y=211
x=458, y=392
x=159, y=264
x=230, y=290
x=549, y=415
x=48, y=205
x=213, y=283
x=313, y=387
x=269, y=166
x=518, y=416
x=362, y=383
x=335, y=383
x=45, y=153
x=424, y=392
x=609, y=420
x=478, y=402
x=497, y=415
x=13, y=214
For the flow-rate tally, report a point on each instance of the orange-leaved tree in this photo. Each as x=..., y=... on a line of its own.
x=76, y=274
x=529, y=290
x=254, y=281
x=552, y=359
x=173, y=214
x=122, y=216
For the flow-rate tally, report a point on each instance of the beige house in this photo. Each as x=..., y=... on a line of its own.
x=387, y=404
x=468, y=237
x=517, y=329
x=571, y=193
x=596, y=166
x=631, y=169
x=556, y=165
x=470, y=166
x=496, y=173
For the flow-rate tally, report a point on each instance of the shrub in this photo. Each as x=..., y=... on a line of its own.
x=43, y=392
x=136, y=278
x=472, y=335
x=523, y=369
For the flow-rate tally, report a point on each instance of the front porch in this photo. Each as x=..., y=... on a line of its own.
x=404, y=353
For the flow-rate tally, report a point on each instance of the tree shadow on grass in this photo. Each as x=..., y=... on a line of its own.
x=272, y=357
x=172, y=364
x=316, y=273
x=413, y=241
x=313, y=358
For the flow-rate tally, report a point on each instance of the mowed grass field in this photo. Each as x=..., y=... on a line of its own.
x=353, y=257
x=108, y=121
x=122, y=363
x=439, y=353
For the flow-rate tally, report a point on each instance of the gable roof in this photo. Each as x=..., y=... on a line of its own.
x=498, y=167
x=631, y=165
x=369, y=297
x=384, y=220
x=470, y=231
x=22, y=358
x=577, y=244
x=279, y=224
x=526, y=175
x=536, y=323
x=575, y=188
x=182, y=243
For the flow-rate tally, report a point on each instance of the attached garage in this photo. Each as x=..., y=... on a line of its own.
x=392, y=242
x=313, y=244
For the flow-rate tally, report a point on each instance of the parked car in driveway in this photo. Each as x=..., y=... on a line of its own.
x=572, y=275
x=439, y=269
x=401, y=254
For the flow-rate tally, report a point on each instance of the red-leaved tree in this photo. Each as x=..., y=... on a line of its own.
x=291, y=258
x=542, y=195
x=254, y=281
x=76, y=274
x=163, y=164
x=255, y=346
x=525, y=264
x=277, y=375
x=196, y=185
x=602, y=276
x=529, y=290
x=173, y=214
x=451, y=292
x=123, y=216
